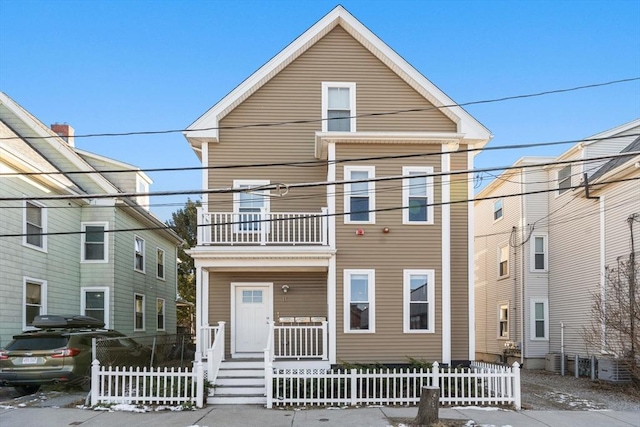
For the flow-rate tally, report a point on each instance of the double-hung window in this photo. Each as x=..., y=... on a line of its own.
x=503, y=320
x=94, y=242
x=417, y=195
x=35, y=225
x=94, y=302
x=497, y=210
x=359, y=196
x=249, y=205
x=160, y=304
x=538, y=248
x=564, y=179
x=142, y=188
x=338, y=107
x=503, y=261
x=359, y=301
x=139, y=254
x=539, y=319
x=138, y=311
x=419, y=301
x=160, y=263
x=34, y=300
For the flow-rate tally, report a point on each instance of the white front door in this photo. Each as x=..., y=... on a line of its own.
x=252, y=312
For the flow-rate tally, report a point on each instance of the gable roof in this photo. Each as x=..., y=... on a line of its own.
x=618, y=161
x=204, y=129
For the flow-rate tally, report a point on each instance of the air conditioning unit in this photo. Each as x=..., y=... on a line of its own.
x=552, y=362
x=613, y=370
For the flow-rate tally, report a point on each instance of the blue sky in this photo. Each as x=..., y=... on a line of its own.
x=126, y=66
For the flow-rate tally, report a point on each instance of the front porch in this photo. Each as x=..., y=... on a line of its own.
x=297, y=343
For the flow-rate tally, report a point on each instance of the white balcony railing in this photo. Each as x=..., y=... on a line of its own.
x=262, y=228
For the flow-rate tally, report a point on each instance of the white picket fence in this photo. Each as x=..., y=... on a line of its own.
x=467, y=386
x=155, y=386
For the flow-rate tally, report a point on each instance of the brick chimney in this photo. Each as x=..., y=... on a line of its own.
x=65, y=131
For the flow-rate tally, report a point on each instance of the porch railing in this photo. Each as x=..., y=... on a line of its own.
x=262, y=228
x=215, y=354
x=298, y=341
x=208, y=336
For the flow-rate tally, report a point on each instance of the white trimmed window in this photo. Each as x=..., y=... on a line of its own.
x=160, y=304
x=160, y=273
x=95, y=242
x=94, y=302
x=417, y=195
x=503, y=320
x=249, y=205
x=564, y=179
x=138, y=243
x=539, y=319
x=35, y=225
x=497, y=210
x=338, y=107
x=138, y=312
x=503, y=261
x=359, y=301
x=142, y=187
x=539, y=258
x=359, y=197
x=34, y=300
x=419, y=301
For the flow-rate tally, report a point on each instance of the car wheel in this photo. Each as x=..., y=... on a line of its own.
x=27, y=389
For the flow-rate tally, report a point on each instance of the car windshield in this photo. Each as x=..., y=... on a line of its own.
x=37, y=343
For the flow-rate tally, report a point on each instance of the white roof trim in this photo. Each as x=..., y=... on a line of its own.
x=204, y=129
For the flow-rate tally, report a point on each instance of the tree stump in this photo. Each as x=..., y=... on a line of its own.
x=428, y=407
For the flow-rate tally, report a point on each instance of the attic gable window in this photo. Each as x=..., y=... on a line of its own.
x=564, y=179
x=338, y=107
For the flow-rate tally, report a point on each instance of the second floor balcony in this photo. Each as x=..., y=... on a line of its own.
x=263, y=228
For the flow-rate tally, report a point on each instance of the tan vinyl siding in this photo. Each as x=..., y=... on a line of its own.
x=295, y=94
x=307, y=295
x=404, y=247
x=459, y=259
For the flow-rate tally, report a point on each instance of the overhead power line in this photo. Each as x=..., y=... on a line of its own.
x=396, y=208
x=291, y=122
x=310, y=163
x=281, y=186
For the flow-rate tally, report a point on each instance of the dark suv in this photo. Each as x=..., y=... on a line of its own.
x=60, y=352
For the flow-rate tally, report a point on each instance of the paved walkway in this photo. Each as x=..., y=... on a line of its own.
x=250, y=416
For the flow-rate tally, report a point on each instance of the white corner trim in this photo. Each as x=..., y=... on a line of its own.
x=471, y=257
x=446, y=254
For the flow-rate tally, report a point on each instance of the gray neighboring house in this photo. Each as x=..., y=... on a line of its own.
x=65, y=256
x=540, y=258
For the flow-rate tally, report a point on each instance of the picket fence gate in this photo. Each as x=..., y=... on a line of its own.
x=153, y=386
x=477, y=385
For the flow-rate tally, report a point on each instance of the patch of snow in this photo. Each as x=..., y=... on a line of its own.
x=481, y=408
x=7, y=407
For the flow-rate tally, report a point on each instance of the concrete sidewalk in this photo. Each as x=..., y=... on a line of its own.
x=250, y=416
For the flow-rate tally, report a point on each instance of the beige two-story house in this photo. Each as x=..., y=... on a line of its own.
x=331, y=230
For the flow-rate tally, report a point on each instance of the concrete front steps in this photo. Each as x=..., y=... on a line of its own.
x=239, y=382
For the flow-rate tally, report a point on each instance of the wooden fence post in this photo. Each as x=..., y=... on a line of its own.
x=95, y=384
x=517, y=402
x=354, y=387
x=199, y=385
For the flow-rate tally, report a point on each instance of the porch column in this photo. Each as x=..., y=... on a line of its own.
x=199, y=303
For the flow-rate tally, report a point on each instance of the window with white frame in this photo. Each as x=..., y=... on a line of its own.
x=338, y=107
x=94, y=242
x=160, y=263
x=539, y=319
x=503, y=320
x=417, y=195
x=34, y=300
x=419, y=301
x=160, y=303
x=503, y=261
x=497, y=210
x=139, y=309
x=249, y=205
x=539, y=256
x=359, y=197
x=94, y=302
x=359, y=301
x=564, y=179
x=139, y=254
x=142, y=188
x=35, y=225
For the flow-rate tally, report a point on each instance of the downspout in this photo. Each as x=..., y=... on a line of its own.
x=523, y=220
